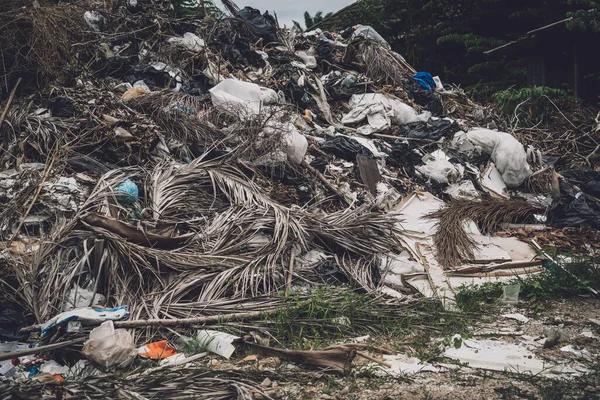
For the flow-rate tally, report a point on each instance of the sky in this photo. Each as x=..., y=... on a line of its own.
x=288, y=10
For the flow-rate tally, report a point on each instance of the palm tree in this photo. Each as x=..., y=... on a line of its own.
x=309, y=21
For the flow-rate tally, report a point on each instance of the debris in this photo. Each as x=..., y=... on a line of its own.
x=380, y=111
x=499, y=356
x=217, y=342
x=517, y=317
x=87, y=315
x=157, y=350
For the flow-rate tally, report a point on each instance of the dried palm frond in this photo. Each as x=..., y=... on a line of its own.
x=176, y=114
x=39, y=41
x=382, y=64
x=36, y=135
x=175, y=382
x=452, y=242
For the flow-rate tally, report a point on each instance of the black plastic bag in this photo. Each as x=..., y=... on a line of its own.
x=263, y=26
x=574, y=209
x=425, y=98
x=320, y=164
x=432, y=129
x=586, y=179
x=345, y=147
x=403, y=155
x=198, y=85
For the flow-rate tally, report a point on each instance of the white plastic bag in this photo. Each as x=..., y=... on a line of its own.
x=368, y=32
x=440, y=169
x=110, y=347
x=292, y=141
x=242, y=99
x=380, y=111
x=189, y=41
x=80, y=297
x=505, y=151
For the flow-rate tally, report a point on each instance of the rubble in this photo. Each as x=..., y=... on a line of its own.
x=192, y=172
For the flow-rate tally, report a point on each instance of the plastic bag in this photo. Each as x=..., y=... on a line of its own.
x=434, y=129
x=345, y=147
x=293, y=142
x=263, y=26
x=380, y=111
x=242, y=99
x=440, y=169
x=80, y=297
x=189, y=41
x=586, y=179
x=127, y=192
x=505, y=151
x=573, y=209
x=109, y=347
x=425, y=80
x=368, y=32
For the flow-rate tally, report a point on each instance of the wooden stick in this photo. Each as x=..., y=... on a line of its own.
x=40, y=349
x=326, y=182
x=368, y=346
x=8, y=103
x=375, y=360
x=288, y=283
x=138, y=323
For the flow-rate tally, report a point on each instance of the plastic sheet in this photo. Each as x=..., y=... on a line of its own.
x=345, y=147
x=263, y=26
x=433, y=129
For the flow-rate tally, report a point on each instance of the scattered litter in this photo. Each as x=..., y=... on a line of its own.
x=500, y=356
x=217, y=342
x=86, y=315
x=518, y=317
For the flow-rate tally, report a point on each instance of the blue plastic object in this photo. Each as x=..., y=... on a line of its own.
x=425, y=80
x=127, y=192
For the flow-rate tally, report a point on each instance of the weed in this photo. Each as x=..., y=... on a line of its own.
x=572, y=276
x=529, y=106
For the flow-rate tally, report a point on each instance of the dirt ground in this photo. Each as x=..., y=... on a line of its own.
x=573, y=322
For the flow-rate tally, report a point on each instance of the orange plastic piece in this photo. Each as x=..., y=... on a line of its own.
x=157, y=350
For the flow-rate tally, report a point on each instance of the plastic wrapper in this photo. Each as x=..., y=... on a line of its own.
x=109, y=347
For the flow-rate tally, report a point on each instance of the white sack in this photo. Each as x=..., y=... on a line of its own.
x=380, y=111
x=505, y=151
x=242, y=99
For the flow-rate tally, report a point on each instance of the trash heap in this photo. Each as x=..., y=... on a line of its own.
x=160, y=171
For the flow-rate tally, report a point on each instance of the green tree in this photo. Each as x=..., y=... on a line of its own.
x=309, y=21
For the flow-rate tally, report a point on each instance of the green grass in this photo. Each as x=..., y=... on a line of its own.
x=563, y=280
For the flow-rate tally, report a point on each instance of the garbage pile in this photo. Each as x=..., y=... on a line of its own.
x=160, y=171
